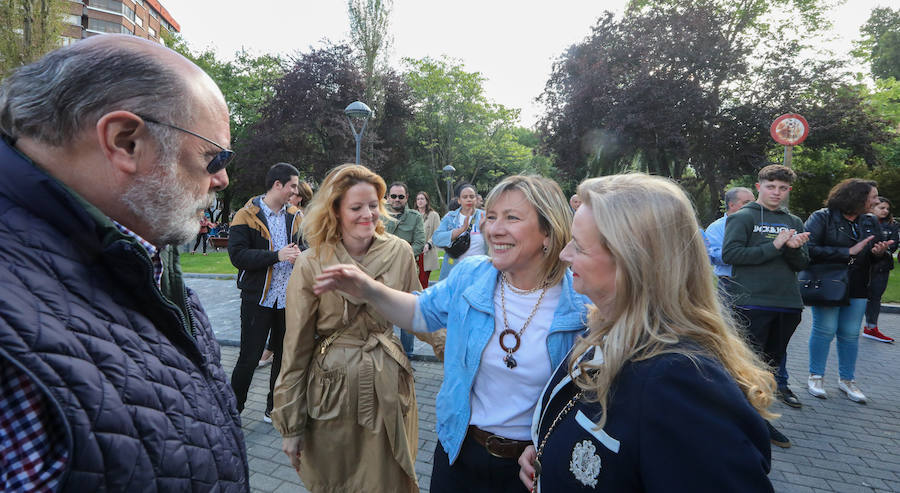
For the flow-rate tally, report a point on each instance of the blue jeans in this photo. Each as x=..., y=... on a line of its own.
x=407, y=340
x=843, y=321
x=781, y=376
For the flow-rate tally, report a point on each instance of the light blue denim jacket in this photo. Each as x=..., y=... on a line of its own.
x=464, y=304
x=443, y=237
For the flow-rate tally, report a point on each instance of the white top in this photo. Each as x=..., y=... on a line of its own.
x=503, y=399
x=476, y=243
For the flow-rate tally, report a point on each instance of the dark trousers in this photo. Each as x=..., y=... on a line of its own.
x=769, y=332
x=475, y=470
x=256, y=322
x=877, y=284
x=201, y=239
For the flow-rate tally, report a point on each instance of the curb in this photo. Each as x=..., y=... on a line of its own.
x=195, y=275
x=890, y=308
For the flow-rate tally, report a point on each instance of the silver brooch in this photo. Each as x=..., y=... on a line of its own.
x=585, y=464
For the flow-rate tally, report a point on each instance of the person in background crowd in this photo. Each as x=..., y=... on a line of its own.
x=263, y=245
x=345, y=403
x=455, y=223
x=203, y=233
x=110, y=378
x=407, y=225
x=302, y=197
x=881, y=269
x=479, y=201
x=842, y=233
x=574, y=202
x=735, y=199
x=660, y=365
x=428, y=261
x=766, y=246
x=510, y=320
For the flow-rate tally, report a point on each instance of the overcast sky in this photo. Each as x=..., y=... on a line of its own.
x=512, y=43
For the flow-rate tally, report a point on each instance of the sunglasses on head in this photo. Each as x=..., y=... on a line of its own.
x=400, y=196
x=217, y=163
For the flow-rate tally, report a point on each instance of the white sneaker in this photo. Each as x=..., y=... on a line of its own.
x=853, y=393
x=816, y=386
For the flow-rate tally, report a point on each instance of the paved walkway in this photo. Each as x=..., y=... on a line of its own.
x=839, y=446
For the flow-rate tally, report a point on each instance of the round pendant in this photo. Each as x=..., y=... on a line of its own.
x=537, y=468
x=504, y=346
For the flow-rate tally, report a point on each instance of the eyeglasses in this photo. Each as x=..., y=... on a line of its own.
x=395, y=196
x=218, y=162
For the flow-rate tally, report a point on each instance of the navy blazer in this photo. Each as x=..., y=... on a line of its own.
x=673, y=425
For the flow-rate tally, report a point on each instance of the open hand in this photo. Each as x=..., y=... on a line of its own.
x=855, y=249
x=881, y=247
x=343, y=277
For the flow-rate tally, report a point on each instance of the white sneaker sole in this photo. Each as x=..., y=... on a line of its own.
x=823, y=395
x=854, y=399
x=886, y=341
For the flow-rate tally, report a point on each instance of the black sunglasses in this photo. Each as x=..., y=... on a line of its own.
x=218, y=162
x=395, y=196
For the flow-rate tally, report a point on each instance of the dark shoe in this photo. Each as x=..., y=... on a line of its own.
x=787, y=396
x=778, y=437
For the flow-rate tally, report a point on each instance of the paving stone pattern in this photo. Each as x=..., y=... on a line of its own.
x=838, y=445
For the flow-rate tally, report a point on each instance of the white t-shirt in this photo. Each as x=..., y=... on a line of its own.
x=503, y=399
x=476, y=243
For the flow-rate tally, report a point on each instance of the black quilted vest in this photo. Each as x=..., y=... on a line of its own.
x=133, y=374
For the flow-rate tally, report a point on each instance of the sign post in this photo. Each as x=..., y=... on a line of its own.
x=789, y=130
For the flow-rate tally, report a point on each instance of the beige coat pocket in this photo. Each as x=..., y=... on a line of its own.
x=326, y=392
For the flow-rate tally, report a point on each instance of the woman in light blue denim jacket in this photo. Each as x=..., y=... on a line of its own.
x=455, y=223
x=510, y=318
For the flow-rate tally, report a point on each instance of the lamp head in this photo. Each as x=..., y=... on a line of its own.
x=358, y=109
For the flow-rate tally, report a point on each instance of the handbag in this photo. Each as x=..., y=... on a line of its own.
x=460, y=245
x=825, y=285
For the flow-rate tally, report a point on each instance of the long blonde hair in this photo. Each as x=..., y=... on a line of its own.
x=321, y=225
x=665, y=290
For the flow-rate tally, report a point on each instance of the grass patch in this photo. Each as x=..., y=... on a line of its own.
x=214, y=263
x=892, y=293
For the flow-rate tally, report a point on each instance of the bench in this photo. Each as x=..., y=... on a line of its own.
x=218, y=242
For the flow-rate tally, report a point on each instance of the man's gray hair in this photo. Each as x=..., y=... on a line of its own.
x=731, y=195
x=57, y=97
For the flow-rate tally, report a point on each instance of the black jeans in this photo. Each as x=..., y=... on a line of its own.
x=201, y=239
x=877, y=284
x=769, y=332
x=256, y=322
x=475, y=470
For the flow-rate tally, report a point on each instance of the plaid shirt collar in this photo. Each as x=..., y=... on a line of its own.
x=151, y=250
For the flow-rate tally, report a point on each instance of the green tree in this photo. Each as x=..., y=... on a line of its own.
x=28, y=30
x=880, y=44
x=370, y=35
x=455, y=124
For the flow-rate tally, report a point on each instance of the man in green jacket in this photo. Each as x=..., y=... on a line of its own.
x=766, y=246
x=408, y=225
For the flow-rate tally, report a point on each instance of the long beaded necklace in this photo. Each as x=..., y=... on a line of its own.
x=509, y=359
x=540, y=450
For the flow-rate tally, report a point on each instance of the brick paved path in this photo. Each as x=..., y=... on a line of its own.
x=838, y=445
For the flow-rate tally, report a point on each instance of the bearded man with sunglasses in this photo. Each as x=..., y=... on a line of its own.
x=110, y=374
x=407, y=224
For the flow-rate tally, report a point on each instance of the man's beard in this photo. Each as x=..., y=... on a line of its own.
x=398, y=209
x=168, y=207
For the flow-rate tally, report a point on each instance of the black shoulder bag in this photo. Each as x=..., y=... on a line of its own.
x=460, y=245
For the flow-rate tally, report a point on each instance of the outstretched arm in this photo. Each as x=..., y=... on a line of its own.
x=394, y=305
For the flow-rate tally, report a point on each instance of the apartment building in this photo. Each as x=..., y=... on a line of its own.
x=144, y=18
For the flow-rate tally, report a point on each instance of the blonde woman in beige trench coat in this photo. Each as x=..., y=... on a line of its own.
x=345, y=403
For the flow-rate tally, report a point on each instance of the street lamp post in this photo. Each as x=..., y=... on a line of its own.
x=448, y=176
x=357, y=109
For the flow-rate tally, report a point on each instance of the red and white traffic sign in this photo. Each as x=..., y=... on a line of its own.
x=790, y=129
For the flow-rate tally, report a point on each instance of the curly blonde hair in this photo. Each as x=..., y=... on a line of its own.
x=665, y=290
x=321, y=225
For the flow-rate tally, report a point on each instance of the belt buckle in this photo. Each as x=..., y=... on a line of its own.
x=487, y=445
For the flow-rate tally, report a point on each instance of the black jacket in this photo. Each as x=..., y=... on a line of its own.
x=889, y=231
x=830, y=237
x=130, y=370
x=250, y=247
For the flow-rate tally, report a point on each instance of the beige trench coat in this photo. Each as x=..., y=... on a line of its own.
x=430, y=261
x=345, y=385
